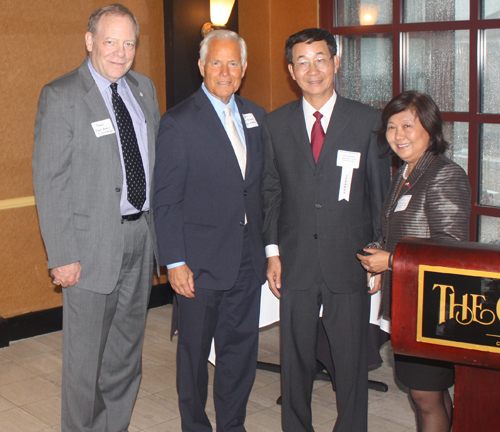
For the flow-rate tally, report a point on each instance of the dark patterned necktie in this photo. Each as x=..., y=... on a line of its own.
x=317, y=136
x=134, y=169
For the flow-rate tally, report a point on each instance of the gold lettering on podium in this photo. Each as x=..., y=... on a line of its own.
x=458, y=308
x=469, y=314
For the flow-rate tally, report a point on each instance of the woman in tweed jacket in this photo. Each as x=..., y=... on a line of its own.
x=429, y=198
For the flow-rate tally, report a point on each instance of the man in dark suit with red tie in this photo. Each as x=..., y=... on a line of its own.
x=324, y=184
x=209, y=224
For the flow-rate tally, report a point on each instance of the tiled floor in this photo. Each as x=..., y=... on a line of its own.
x=30, y=379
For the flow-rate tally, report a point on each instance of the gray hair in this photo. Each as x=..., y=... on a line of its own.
x=115, y=9
x=221, y=35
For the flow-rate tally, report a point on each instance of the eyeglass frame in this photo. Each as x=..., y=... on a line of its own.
x=314, y=62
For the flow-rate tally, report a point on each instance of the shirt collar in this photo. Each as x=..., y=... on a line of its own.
x=101, y=82
x=326, y=109
x=218, y=105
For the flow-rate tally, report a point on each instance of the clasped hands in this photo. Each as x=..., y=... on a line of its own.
x=375, y=263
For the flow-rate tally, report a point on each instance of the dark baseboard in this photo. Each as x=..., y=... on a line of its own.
x=50, y=320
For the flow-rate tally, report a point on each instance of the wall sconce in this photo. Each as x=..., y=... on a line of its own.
x=220, y=10
x=368, y=14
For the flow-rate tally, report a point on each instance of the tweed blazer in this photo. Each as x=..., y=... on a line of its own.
x=439, y=207
x=77, y=175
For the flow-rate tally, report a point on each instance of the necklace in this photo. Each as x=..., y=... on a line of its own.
x=404, y=172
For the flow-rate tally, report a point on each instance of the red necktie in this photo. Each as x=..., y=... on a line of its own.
x=317, y=136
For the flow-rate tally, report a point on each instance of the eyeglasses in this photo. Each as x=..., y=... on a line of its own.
x=320, y=63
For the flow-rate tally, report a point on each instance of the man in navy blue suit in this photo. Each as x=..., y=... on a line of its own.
x=209, y=221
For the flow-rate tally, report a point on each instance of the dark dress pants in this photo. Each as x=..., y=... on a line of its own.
x=232, y=318
x=345, y=318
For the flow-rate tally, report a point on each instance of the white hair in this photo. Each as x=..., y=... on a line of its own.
x=220, y=35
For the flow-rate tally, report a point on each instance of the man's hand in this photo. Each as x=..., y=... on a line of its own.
x=67, y=275
x=181, y=279
x=274, y=275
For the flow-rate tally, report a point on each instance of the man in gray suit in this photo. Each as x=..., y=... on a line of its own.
x=324, y=184
x=93, y=158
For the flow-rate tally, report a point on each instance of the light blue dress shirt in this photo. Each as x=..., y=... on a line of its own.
x=141, y=131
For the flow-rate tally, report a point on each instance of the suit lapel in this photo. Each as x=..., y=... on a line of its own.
x=209, y=118
x=250, y=144
x=93, y=98
x=419, y=170
x=412, y=179
x=297, y=124
x=338, y=122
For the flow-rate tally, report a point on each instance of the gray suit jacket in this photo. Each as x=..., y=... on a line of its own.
x=78, y=177
x=439, y=209
x=303, y=215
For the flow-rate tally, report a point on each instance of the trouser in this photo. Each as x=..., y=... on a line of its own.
x=232, y=318
x=345, y=318
x=102, y=342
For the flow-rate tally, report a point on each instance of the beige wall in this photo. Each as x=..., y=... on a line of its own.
x=265, y=25
x=41, y=40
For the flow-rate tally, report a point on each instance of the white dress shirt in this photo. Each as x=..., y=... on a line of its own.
x=326, y=110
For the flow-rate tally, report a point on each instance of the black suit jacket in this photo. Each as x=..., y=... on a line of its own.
x=303, y=215
x=200, y=196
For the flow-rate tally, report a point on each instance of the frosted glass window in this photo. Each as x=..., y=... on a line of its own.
x=437, y=63
x=436, y=10
x=457, y=134
x=365, y=72
x=364, y=12
x=490, y=165
x=490, y=77
x=489, y=230
x=491, y=9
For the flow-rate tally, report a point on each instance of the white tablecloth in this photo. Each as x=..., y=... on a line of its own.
x=270, y=313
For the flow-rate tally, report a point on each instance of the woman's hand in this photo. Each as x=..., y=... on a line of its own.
x=377, y=262
x=377, y=279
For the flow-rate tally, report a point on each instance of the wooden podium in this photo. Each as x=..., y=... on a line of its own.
x=446, y=306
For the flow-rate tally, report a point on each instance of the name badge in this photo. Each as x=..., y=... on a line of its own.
x=250, y=120
x=103, y=127
x=403, y=203
x=349, y=161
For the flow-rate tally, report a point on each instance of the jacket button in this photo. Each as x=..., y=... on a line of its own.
x=245, y=193
x=315, y=236
x=318, y=206
x=117, y=190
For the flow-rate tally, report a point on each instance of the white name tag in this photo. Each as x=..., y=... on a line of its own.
x=349, y=161
x=250, y=120
x=103, y=127
x=403, y=203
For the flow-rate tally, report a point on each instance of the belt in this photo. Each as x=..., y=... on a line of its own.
x=132, y=217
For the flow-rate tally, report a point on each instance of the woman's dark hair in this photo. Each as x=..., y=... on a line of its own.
x=425, y=109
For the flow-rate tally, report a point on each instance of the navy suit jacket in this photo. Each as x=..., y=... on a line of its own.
x=201, y=199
